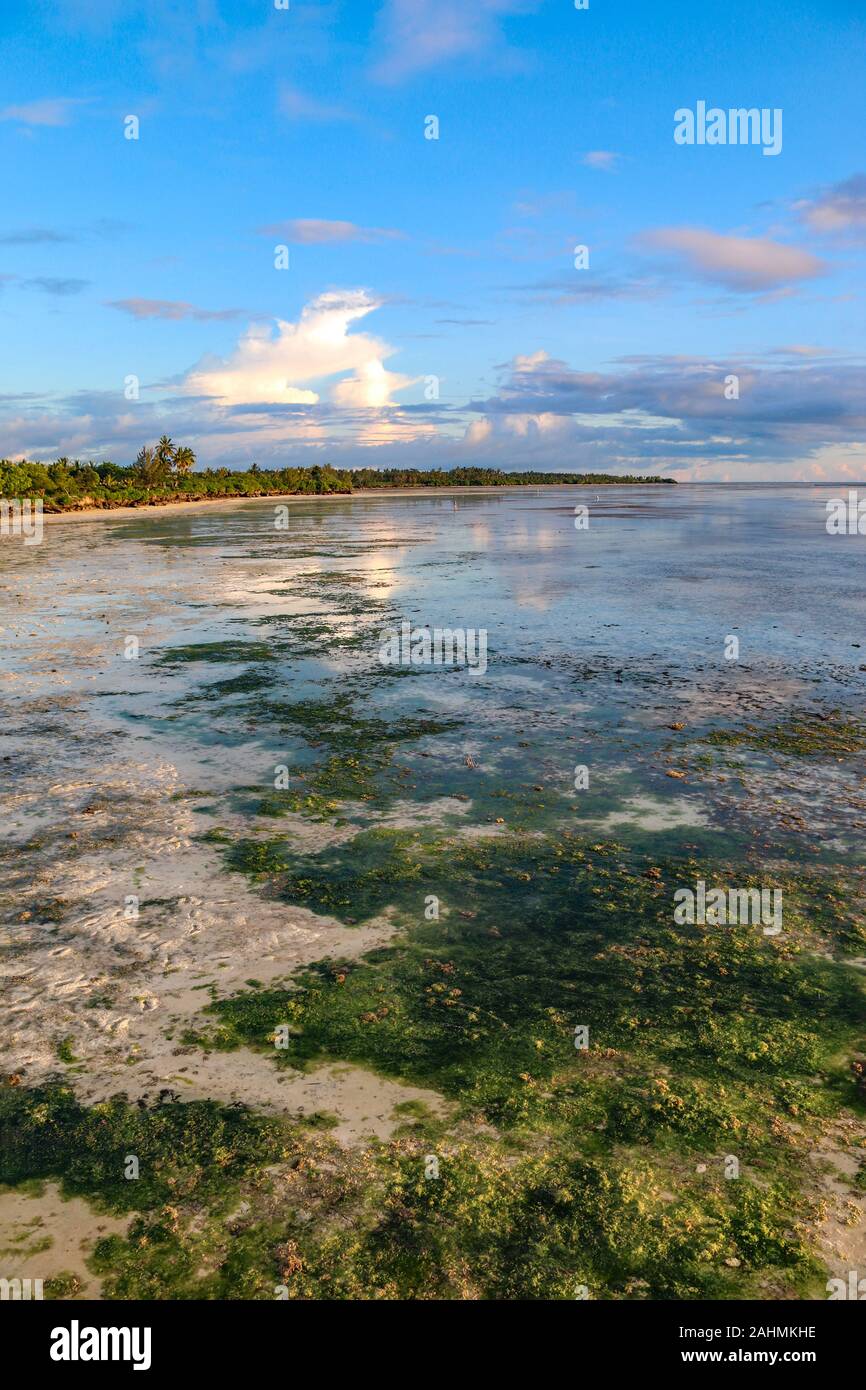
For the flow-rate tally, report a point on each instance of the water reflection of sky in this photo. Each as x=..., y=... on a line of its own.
x=658, y=571
x=598, y=638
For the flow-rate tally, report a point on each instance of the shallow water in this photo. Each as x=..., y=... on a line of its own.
x=597, y=638
x=211, y=784
x=258, y=649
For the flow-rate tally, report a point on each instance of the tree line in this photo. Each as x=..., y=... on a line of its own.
x=164, y=473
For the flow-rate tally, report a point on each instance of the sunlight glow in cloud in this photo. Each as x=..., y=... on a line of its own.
x=268, y=369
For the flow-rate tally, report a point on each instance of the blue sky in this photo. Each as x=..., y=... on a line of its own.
x=451, y=259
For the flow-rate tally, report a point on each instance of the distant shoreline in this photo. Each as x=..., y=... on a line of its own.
x=92, y=513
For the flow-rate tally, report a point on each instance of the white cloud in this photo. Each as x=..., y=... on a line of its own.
x=319, y=389
x=268, y=369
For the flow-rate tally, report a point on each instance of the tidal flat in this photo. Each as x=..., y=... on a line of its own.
x=374, y=969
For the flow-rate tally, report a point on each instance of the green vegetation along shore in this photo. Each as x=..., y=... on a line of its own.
x=163, y=474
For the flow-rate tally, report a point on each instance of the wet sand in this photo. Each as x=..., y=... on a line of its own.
x=46, y=1236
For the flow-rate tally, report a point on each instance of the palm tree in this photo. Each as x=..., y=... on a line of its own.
x=164, y=451
x=184, y=459
x=152, y=471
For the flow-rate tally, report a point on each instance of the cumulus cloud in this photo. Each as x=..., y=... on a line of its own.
x=319, y=388
x=673, y=413
x=739, y=263
x=280, y=368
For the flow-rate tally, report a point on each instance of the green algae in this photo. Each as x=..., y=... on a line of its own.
x=337, y=723
x=359, y=752
x=559, y=1167
x=801, y=735
x=536, y=936
x=554, y=1227
x=230, y=1205
x=701, y=1042
x=215, y=653
x=602, y=1167
x=62, y=1286
x=248, y=682
x=190, y=1150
